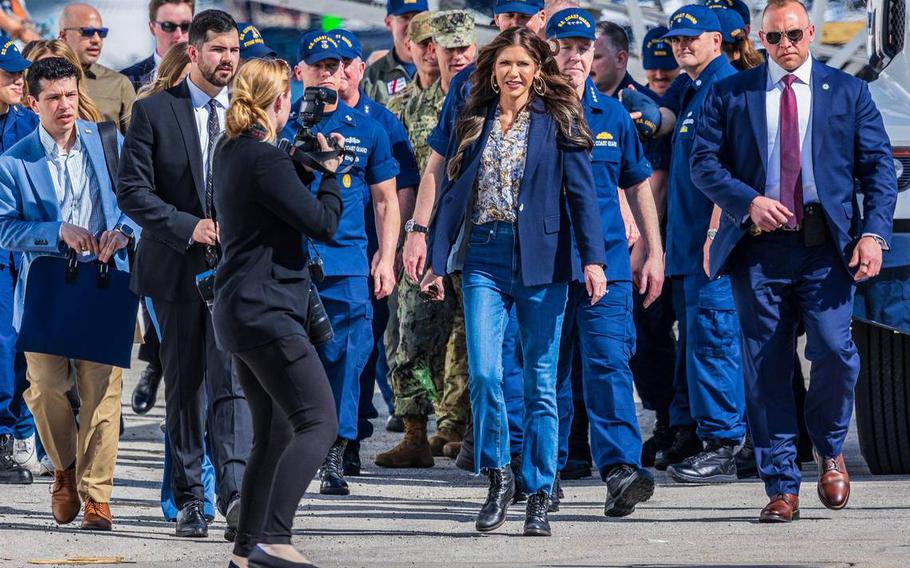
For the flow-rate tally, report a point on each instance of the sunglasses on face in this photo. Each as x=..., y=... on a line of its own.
x=171, y=27
x=90, y=32
x=774, y=38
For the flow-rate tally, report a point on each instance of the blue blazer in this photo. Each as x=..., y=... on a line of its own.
x=848, y=141
x=29, y=213
x=140, y=73
x=557, y=185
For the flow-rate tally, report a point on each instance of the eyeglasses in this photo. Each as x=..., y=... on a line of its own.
x=90, y=32
x=171, y=27
x=774, y=38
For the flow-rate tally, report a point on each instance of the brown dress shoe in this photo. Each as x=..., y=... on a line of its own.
x=64, y=498
x=97, y=516
x=833, y=481
x=782, y=508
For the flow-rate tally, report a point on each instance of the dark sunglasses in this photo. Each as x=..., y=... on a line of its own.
x=795, y=36
x=90, y=32
x=171, y=27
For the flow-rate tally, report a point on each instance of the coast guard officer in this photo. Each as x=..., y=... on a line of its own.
x=347, y=265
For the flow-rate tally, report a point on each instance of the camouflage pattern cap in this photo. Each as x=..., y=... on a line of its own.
x=419, y=29
x=453, y=28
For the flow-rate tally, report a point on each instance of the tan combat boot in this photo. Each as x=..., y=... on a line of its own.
x=413, y=450
x=442, y=437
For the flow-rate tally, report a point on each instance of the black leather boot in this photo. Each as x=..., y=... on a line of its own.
x=520, y=494
x=465, y=458
x=661, y=440
x=10, y=472
x=536, y=523
x=146, y=392
x=499, y=496
x=746, y=467
x=351, y=461
x=716, y=464
x=627, y=486
x=330, y=474
x=685, y=443
x=556, y=496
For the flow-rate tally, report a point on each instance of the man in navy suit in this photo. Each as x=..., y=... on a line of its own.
x=169, y=22
x=778, y=151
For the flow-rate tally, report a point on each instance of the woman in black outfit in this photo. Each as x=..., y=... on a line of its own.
x=264, y=209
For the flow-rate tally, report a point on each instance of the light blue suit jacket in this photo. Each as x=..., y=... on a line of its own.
x=29, y=213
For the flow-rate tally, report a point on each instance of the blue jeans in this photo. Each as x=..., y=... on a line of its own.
x=492, y=285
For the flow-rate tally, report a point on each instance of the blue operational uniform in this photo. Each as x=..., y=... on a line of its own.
x=377, y=367
x=15, y=417
x=604, y=332
x=345, y=291
x=709, y=376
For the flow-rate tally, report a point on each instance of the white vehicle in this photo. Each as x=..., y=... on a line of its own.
x=882, y=307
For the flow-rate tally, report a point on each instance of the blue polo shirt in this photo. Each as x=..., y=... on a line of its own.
x=451, y=107
x=618, y=160
x=688, y=209
x=346, y=254
x=408, y=175
x=18, y=123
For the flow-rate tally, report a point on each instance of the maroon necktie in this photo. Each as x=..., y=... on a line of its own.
x=791, y=185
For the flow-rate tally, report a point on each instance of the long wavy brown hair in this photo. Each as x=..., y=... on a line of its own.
x=41, y=49
x=171, y=71
x=561, y=101
x=743, y=51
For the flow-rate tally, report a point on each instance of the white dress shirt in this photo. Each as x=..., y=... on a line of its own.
x=802, y=88
x=75, y=184
x=200, y=102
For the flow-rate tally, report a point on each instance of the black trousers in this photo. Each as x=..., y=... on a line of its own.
x=654, y=362
x=294, y=425
x=201, y=393
x=149, y=350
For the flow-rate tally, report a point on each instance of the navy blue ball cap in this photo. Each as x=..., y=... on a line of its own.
x=656, y=51
x=11, y=60
x=739, y=6
x=348, y=44
x=572, y=22
x=692, y=21
x=316, y=46
x=527, y=7
x=400, y=7
x=252, y=46
x=732, y=25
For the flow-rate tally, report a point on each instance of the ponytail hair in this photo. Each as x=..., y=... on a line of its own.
x=257, y=84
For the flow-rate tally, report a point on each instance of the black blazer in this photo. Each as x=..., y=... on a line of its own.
x=160, y=187
x=264, y=210
x=140, y=73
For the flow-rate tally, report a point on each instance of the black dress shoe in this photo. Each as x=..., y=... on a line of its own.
x=576, y=469
x=191, y=521
x=536, y=523
x=556, y=496
x=232, y=518
x=686, y=443
x=260, y=559
x=146, y=392
x=716, y=464
x=394, y=424
x=10, y=472
x=350, y=462
x=499, y=496
x=331, y=477
x=746, y=467
x=627, y=486
x=661, y=440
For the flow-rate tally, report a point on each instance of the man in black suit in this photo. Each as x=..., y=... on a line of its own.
x=169, y=22
x=164, y=185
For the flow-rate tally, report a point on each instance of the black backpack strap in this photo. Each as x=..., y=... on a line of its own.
x=108, y=131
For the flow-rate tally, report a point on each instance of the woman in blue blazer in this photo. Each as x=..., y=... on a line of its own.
x=519, y=179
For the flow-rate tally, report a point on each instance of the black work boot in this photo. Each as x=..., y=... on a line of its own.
x=502, y=489
x=685, y=443
x=627, y=486
x=716, y=464
x=746, y=467
x=465, y=458
x=556, y=495
x=660, y=441
x=330, y=474
x=520, y=494
x=350, y=462
x=10, y=472
x=536, y=523
x=146, y=392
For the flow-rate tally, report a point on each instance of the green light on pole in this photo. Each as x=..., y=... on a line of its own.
x=330, y=23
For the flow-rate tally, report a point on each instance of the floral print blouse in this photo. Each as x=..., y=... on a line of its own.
x=501, y=169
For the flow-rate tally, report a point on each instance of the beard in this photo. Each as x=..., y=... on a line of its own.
x=211, y=74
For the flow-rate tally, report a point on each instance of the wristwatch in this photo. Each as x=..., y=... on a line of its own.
x=125, y=230
x=712, y=233
x=411, y=227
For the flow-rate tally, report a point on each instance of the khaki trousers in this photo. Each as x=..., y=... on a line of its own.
x=92, y=445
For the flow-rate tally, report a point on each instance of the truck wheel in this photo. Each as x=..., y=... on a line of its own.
x=883, y=398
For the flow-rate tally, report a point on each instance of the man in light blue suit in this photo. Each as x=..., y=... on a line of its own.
x=778, y=151
x=56, y=197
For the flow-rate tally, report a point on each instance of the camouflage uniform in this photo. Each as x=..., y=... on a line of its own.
x=384, y=78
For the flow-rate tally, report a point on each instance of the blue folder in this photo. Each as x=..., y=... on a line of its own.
x=78, y=310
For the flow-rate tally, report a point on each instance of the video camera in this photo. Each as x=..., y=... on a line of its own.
x=304, y=148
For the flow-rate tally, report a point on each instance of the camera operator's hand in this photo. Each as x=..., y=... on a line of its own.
x=383, y=272
x=206, y=232
x=326, y=146
x=111, y=242
x=78, y=239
